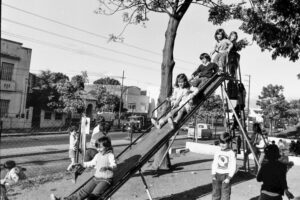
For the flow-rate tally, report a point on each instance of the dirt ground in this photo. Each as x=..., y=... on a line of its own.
x=190, y=179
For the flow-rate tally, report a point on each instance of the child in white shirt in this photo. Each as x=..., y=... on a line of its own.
x=73, y=146
x=104, y=163
x=223, y=169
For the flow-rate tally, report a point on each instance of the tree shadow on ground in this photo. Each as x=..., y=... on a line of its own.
x=174, y=168
x=204, y=190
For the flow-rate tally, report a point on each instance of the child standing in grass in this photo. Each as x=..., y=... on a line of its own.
x=104, y=163
x=223, y=169
x=73, y=147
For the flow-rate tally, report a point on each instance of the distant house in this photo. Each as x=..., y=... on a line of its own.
x=52, y=120
x=15, y=64
x=134, y=99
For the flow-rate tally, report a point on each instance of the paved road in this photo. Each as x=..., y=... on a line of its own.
x=48, y=163
x=42, y=140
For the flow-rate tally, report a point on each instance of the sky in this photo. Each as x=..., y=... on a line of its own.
x=69, y=37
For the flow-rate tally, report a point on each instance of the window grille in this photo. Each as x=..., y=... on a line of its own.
x=47, y=115
x=6, y=71
x=4, y=105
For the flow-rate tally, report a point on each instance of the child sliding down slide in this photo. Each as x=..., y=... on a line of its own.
x=179, y=102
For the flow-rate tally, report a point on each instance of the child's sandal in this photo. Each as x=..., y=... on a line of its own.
x=155, y=123
x=172, y=123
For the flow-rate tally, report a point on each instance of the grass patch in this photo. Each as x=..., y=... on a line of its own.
x=42, y=179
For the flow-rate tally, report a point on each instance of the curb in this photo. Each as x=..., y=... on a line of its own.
x=32, y=134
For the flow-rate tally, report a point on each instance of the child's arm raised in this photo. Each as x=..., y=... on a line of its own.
x=91, y=163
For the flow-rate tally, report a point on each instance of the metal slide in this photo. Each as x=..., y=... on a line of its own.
x=135, y=157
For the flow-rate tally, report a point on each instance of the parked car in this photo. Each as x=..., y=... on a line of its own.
x=204, y=131
x=135, y=124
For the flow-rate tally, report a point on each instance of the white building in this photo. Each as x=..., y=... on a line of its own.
x=15, y=64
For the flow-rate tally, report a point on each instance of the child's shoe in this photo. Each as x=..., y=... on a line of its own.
x=172, y=123
x=155, y=123
x=53, y=197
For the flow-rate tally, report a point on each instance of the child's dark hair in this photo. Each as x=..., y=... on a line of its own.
x=220, y=31
x=256, y=128
x=233, y=33
x=100, y=119
x=9, y=164
x=72, y=128
x=105, y=141
x=206, y=56
x=272, y=152
x=185, y=80
x=225, y=137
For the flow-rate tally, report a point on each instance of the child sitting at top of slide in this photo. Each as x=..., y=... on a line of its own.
x=205, y=71
x=181, y=94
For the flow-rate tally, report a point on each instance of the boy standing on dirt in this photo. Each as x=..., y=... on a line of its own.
x=223, y=169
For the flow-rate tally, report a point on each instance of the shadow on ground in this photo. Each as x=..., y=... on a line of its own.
x=178, y=167
x=204, y=190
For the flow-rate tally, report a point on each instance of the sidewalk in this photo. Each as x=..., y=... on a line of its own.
x=190, y=180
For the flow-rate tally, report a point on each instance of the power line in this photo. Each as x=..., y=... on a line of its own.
x=88, y=32
x=79, y=41
x=76, y=51
x=93, y=74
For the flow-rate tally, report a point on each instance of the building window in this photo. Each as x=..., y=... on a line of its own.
x=47, y=115
x=58, y=116
x=131, y=106
x=143, y=107
x=27, y=114
x=4, y=105
x=6, y=71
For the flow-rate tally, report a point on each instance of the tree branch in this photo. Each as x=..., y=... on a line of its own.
x=182, y=8
x=154, y=10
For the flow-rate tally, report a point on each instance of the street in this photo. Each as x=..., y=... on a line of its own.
x=41, y=140
x=53, y=161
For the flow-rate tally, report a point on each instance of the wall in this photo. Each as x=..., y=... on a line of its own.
x=51, y=123
x=18, y=123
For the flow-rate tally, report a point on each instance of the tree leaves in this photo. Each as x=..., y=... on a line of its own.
x=272, y=101
x=107, y=81
x=106, y=101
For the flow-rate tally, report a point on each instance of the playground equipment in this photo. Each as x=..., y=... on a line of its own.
x=132, y=158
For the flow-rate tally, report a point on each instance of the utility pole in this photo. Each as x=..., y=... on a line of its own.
x=249, y=77
x=121, y=99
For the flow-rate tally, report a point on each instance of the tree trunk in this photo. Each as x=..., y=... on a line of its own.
x=167, y=67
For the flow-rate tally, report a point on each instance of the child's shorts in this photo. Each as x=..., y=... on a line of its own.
x=71, y=153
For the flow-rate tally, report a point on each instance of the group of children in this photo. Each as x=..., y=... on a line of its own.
x=272, y=174
x=184, y=90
